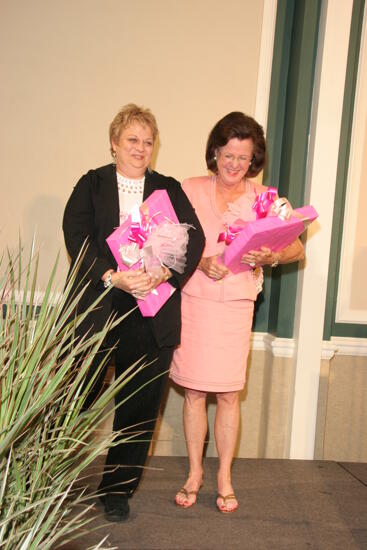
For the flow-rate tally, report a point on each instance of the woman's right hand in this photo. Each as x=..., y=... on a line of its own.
x=212, y=268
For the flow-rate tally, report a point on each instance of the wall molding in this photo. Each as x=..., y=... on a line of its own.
x=345, y=321
x=349, y=345
x=285, y=347
x=328, y=350
x=278, y=347
x=345, y=313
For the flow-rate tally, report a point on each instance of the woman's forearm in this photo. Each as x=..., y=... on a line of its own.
x=292, y=253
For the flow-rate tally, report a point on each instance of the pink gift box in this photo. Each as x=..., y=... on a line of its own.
x=272, y=232
x=158, y=207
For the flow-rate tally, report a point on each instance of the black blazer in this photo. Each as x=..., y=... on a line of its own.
x=91, y=214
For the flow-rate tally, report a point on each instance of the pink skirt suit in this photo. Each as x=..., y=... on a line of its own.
x=216, y=315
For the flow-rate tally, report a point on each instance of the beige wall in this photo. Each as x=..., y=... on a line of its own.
x=342, y=415
x=68, y=66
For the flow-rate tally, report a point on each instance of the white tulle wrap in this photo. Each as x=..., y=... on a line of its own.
x=168, y=242
x=163, y=243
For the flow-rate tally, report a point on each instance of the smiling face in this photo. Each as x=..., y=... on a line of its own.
x=233, y=160
x=134, y=150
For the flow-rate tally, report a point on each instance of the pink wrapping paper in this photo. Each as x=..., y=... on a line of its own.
x=271, y=232
x=153, y=302
x=158, y=204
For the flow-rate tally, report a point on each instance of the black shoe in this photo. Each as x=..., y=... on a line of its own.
x=116, y=507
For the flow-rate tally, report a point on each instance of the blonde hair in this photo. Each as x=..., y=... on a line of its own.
x=128, y=114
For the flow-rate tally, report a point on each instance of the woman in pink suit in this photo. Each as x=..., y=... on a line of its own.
x=217, y=306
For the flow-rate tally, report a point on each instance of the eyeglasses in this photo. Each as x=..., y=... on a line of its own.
x=241, y=158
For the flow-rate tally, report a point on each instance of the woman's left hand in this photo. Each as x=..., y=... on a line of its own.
x=156, y=278
x=258, y=258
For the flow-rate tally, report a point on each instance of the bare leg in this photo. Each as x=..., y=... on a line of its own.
x=226, y=431
x=196, y=427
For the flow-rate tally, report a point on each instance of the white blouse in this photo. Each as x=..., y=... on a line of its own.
x=130, y=194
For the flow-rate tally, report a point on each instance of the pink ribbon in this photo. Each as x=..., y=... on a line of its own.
x=261, y=206
x=263, y=202
x=282, y=209
x=141, y=226
x=139, y=233
x=229, y=234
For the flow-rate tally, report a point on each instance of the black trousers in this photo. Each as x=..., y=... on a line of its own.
x=138, y=402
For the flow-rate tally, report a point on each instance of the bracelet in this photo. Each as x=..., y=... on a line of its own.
x=274, y=264
x=166, y=273
x=108, y=280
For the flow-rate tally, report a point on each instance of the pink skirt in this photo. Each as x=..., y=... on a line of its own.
x=214, y=346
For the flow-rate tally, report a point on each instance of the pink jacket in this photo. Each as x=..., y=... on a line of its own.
x=201, y=193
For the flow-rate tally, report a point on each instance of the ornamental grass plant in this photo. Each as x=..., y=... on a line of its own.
x=47, y=439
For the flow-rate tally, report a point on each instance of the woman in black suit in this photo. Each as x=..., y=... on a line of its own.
x=99, y=203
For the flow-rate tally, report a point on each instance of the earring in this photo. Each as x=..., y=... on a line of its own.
x=113, y=155
x=215, y=157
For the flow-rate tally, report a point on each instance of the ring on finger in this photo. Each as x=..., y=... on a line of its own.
x=252, y=264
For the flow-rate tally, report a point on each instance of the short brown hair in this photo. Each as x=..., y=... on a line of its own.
x=128, y=114
x=240, y=126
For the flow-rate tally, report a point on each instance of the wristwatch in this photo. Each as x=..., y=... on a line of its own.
x=108, y=280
